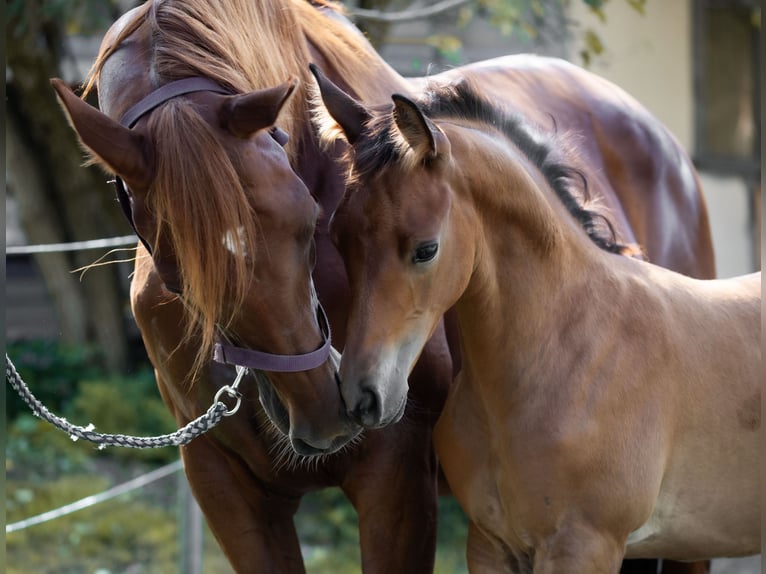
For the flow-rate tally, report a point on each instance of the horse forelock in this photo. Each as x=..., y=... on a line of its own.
x=554, y=154
x=198, y=201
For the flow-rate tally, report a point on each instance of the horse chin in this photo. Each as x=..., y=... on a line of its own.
x=280, y=420
x=271, y=404
x=304, y=449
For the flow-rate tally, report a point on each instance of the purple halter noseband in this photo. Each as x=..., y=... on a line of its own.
x=223, y=353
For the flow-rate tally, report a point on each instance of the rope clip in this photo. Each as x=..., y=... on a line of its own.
x=232, y=391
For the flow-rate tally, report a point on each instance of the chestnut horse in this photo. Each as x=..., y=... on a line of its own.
x=227, y=251
x=606, y=406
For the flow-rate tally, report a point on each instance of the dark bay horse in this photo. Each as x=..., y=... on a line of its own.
x=606, y=406
x=229, y=250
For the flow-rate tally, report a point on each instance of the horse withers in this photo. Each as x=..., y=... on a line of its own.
x=606, y=406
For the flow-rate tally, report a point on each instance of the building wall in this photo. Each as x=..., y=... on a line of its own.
x=651, y=57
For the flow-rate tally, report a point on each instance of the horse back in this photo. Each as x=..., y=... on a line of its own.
x=634, y=167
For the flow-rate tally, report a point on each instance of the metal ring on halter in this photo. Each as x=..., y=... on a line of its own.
x=232, y=391
x=234, y=394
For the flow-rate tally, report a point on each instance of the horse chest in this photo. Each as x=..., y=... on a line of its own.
x=480, y=465
x=463, y=444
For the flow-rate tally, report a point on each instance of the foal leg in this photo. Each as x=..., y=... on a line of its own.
x=484, y=557
x=255, y=531
x=578, y=549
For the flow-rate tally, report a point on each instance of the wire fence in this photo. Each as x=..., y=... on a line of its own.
x=192, y=530
x=92, y=500
x=106, y=243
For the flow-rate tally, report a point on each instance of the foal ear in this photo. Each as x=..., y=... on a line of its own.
x=421, y=134
x=244, y=114
x=115, y=147
x=350, y=115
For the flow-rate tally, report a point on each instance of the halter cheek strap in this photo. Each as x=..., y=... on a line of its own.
x=232, y=355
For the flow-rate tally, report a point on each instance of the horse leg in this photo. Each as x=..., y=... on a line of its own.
x=640, y=566
x=652, y=566
x=255, y=531
x=671, y=567
x=578, y=549
x=393, y=487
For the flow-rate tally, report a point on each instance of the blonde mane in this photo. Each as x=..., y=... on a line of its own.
x=248, y=45
x=196, y=197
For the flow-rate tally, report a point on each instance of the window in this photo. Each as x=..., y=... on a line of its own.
x=727, y=86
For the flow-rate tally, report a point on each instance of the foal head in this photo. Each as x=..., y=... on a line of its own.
x=411, y=238
x=395, y=215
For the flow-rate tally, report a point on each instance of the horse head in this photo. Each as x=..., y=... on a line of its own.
x=396, y=215
x=229, y=228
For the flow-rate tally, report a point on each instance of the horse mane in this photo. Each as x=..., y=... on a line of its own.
x=197, y=200
x=550, y=152
x=248, y=45
x=196, y=197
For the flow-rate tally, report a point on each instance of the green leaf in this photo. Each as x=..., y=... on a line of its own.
x=593, y=43
x=638, y=5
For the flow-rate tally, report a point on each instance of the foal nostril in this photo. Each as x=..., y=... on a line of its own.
x=367, y=409
x=368, y=402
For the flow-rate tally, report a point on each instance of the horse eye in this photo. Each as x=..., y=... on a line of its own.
x=425, y=252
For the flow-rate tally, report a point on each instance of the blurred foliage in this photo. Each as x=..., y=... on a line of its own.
x=70, y=384
x=109, y=537
x=137, y=532
x=327, y=527
x=51, y=371
x=78, y=16
x=513, y=18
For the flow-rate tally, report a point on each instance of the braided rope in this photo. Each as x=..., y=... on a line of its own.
x=182, y=436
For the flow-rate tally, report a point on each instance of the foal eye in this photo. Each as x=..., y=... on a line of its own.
x=425, y=252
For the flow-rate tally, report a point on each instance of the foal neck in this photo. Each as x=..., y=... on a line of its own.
x=533, y=260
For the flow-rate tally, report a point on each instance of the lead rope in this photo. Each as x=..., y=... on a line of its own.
x=182, y=436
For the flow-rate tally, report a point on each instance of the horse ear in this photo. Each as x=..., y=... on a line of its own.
x=115, y=147
x=243, y=115
x=421, y=134
x=350, y=115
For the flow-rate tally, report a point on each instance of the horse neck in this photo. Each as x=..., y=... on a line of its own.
x=532, y=260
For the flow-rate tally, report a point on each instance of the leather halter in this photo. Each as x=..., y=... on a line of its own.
x=146, y=105
x=223, y=353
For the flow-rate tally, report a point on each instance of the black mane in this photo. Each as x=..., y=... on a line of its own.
x=462, y=101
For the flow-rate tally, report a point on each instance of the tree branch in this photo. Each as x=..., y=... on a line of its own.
x=405, y=15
